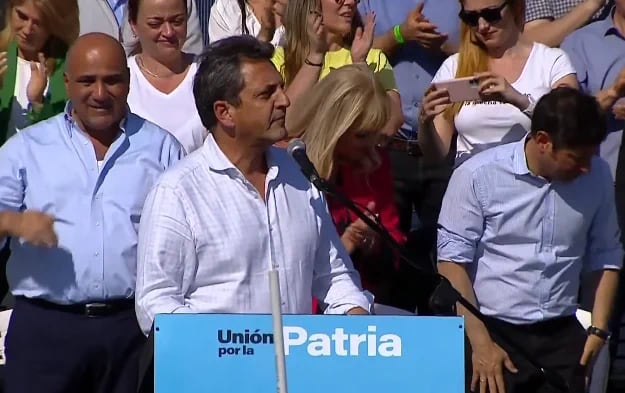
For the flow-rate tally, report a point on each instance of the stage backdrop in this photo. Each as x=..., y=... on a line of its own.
x=233, y=353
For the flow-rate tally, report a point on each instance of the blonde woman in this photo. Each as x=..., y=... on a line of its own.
x=322, y=35
x=340, y=122
x=512, y=73
x=33, y=45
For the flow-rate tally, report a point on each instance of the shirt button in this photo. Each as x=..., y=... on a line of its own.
x=96, y=253
x=97, y=224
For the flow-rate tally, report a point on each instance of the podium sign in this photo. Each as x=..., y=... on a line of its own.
x=225, y=353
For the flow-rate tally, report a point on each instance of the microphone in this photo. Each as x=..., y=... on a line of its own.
x=297, y=150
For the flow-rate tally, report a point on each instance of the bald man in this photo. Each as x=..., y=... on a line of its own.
x=71, y=193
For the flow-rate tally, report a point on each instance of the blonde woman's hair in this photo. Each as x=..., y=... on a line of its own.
x=297, y=44
x=349, y=98
x=472, y=55
x=60, y=19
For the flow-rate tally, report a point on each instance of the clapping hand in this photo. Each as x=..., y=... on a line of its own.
x=38, y=81
x=418, y=28
x=363, y=40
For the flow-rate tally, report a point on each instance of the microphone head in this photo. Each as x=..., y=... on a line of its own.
x=295, y=144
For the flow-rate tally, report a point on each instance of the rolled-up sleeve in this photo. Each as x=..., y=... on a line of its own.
x=461, y=221
x=335, y=282
x=604, y=249
x=166, y=258
x=11, y=177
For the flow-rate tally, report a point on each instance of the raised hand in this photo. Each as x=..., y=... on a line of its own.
x=38, y=80
x=418, y=28
x=267, y=21
x=363, y=39
x=317, y=34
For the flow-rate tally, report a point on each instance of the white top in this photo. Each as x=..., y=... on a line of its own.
x=175, y=112
x=207, y=241
x=19, y=108
x=482, y=125
x=225, y=21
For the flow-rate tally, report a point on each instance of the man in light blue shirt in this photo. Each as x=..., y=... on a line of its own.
x=72, y=190
x=519, y=225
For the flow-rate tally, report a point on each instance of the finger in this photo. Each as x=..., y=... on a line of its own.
x=483, y=384
x=358, y=34
x=509, y=364
x=432, y=105
x=429, y=37
x=585, y=356
x=475, y=379
x=3, y=69
x=418, y=11
x=483, y=75
x=371, y=206
x=42, y=58
x=424, y=25
x=499, y=381
x=492, y=384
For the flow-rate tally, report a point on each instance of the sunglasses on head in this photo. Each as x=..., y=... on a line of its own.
x=490, y=15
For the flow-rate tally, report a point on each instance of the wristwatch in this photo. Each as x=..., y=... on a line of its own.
x=602, y=334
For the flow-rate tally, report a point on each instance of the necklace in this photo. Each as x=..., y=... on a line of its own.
x=144, y=68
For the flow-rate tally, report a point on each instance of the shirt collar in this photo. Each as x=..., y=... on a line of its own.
x=608, y=26
x=519, y=159
x=69, y=120
x=218, y=162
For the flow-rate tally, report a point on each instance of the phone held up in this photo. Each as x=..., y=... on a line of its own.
x=461, y=89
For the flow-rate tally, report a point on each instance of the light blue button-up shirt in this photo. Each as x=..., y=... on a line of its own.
x=51, y=167
x=597, y=52
x=526, y=240
x=119, y=8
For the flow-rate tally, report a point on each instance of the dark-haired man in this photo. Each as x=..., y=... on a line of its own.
x=215, y=224
x=519, y=224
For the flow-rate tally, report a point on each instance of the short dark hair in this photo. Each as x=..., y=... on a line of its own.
x=571, y=118
x=219, y=78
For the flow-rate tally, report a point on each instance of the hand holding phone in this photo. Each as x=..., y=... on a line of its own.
x=461, y=89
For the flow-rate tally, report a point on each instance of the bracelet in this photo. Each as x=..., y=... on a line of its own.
x=310, y=63
x=602, y=334
x=529, y=111
x=398, y=36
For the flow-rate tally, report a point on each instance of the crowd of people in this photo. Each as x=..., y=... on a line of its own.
x=143, y=171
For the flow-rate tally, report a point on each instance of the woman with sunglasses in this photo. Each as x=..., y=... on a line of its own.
x=510, y=73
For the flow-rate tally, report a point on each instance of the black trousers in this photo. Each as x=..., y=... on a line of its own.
x=53, y=351
x=419, y=188
x=556, y=344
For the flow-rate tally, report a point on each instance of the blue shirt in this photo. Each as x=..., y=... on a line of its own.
x=51, y=167
x=413, y=65
x=526, y=240
x=597, y=52
x=118, y=7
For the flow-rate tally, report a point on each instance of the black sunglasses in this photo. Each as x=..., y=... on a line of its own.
x=490, y=15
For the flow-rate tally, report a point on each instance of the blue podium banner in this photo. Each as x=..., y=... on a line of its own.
x=228, y=353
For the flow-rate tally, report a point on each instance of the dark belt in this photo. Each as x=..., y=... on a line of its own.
x=405, y=146
x=95, y=309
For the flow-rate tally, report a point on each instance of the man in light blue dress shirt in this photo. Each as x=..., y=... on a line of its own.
x=72, y=190
x=519, y=225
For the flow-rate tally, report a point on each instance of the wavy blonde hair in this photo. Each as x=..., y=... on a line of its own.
x=60, y=18
x=472, y=55
x=297, y=44
x=349, y=98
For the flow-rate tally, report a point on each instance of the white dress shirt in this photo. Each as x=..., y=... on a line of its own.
x=207, y=240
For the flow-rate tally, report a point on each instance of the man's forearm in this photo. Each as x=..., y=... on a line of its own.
x=457, y=275
x=554, y=32
x=386, y=43
x=604, y=298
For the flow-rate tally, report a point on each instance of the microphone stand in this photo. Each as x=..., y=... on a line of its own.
x=444, y=296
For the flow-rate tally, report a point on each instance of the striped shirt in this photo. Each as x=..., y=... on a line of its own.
x=525, y=240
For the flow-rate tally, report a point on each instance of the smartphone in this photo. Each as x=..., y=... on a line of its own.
x=461, y=89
